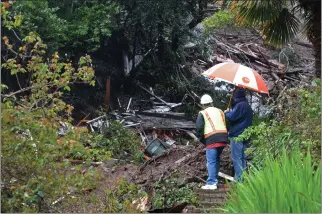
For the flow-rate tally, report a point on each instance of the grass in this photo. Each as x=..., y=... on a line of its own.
x=284, y=185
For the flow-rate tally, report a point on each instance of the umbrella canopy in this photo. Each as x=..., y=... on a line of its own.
x=238, y=75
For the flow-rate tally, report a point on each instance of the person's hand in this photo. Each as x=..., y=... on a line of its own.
x=226, y=110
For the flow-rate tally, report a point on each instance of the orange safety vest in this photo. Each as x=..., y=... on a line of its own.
x=214, y=121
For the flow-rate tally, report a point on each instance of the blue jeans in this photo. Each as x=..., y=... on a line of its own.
x=238, y=156
x=213, y=164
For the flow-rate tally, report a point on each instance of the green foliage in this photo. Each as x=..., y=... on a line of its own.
x=78, y=24
x=168, y=193
x=219, y=19
x=288, y=184
x=9, y=21
x=34, y=166
x=120, y=199
x=121, y=142
x=38, y=17
x=90, y=22
x=278, y=23
x=299, y=125
x=48, y=78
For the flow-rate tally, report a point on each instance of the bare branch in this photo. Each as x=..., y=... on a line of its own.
x=21, y=90
x=14, y=32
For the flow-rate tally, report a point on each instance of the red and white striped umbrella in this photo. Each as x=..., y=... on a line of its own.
x=238, y=75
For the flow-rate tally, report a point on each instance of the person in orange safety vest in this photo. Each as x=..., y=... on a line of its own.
x=212, y=132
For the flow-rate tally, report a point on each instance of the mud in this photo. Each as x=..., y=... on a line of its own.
x=191, y=169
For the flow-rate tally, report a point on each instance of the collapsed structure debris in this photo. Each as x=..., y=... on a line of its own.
x=279, y=67
x=98, y=124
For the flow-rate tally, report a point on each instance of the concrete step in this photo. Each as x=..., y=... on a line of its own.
x=193, y=209
x=213, y=200
x=212, y=204
x=205, y=195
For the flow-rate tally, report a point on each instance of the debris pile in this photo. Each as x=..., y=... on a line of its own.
x=188, y=162
x=159, y=127
x=289, y=66
x=168, y=141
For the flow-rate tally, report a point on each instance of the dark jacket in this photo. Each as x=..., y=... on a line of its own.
x=241, y=114
x=216, y=138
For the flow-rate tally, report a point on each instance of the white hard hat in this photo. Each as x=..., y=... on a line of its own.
x=205, y=99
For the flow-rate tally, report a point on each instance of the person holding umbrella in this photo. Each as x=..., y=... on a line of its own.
x=240, y=118
x=241, y=114
x=212, y=132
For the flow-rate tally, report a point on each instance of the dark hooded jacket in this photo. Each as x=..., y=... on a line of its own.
x=241, y=114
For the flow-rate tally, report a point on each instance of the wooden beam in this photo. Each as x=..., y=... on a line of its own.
x=107, y=93
x=173, y=115
x=158, y=98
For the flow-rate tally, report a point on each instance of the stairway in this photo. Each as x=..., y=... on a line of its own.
x=211, y=201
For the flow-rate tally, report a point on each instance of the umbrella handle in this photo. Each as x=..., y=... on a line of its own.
x=231, y=97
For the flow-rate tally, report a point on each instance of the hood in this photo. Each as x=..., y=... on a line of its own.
x=239, y=96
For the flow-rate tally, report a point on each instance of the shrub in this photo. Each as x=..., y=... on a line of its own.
x=120, y=199
x=220, y=18
x=296, y=123
x=34, y=166
x=35, y=169
x=121, y=142
x=169, y=193
x=288, y=184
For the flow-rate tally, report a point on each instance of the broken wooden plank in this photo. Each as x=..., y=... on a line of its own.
x=95, y=119
x=164, y=123
x=277, y=64
x=173, y=115
x=192, y=135
x=159, y=103
x=158, y=98
x=223, y=175
x=130, y=125
x=275, y=76
x=234, y=49
x=118, y=100
x=81, y=121
x=159, y=109
x=128, y=105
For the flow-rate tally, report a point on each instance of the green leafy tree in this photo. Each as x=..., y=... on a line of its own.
x=35, y=170
x=80, y=25
x=48, y=79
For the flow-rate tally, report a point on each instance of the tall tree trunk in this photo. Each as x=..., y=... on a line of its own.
x=315, y=38
x=312, y=8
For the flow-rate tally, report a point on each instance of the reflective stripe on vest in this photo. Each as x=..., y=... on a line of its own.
x=214, y=121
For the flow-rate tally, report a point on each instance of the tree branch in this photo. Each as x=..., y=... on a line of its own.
x=14, y=32
x=21, y=90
